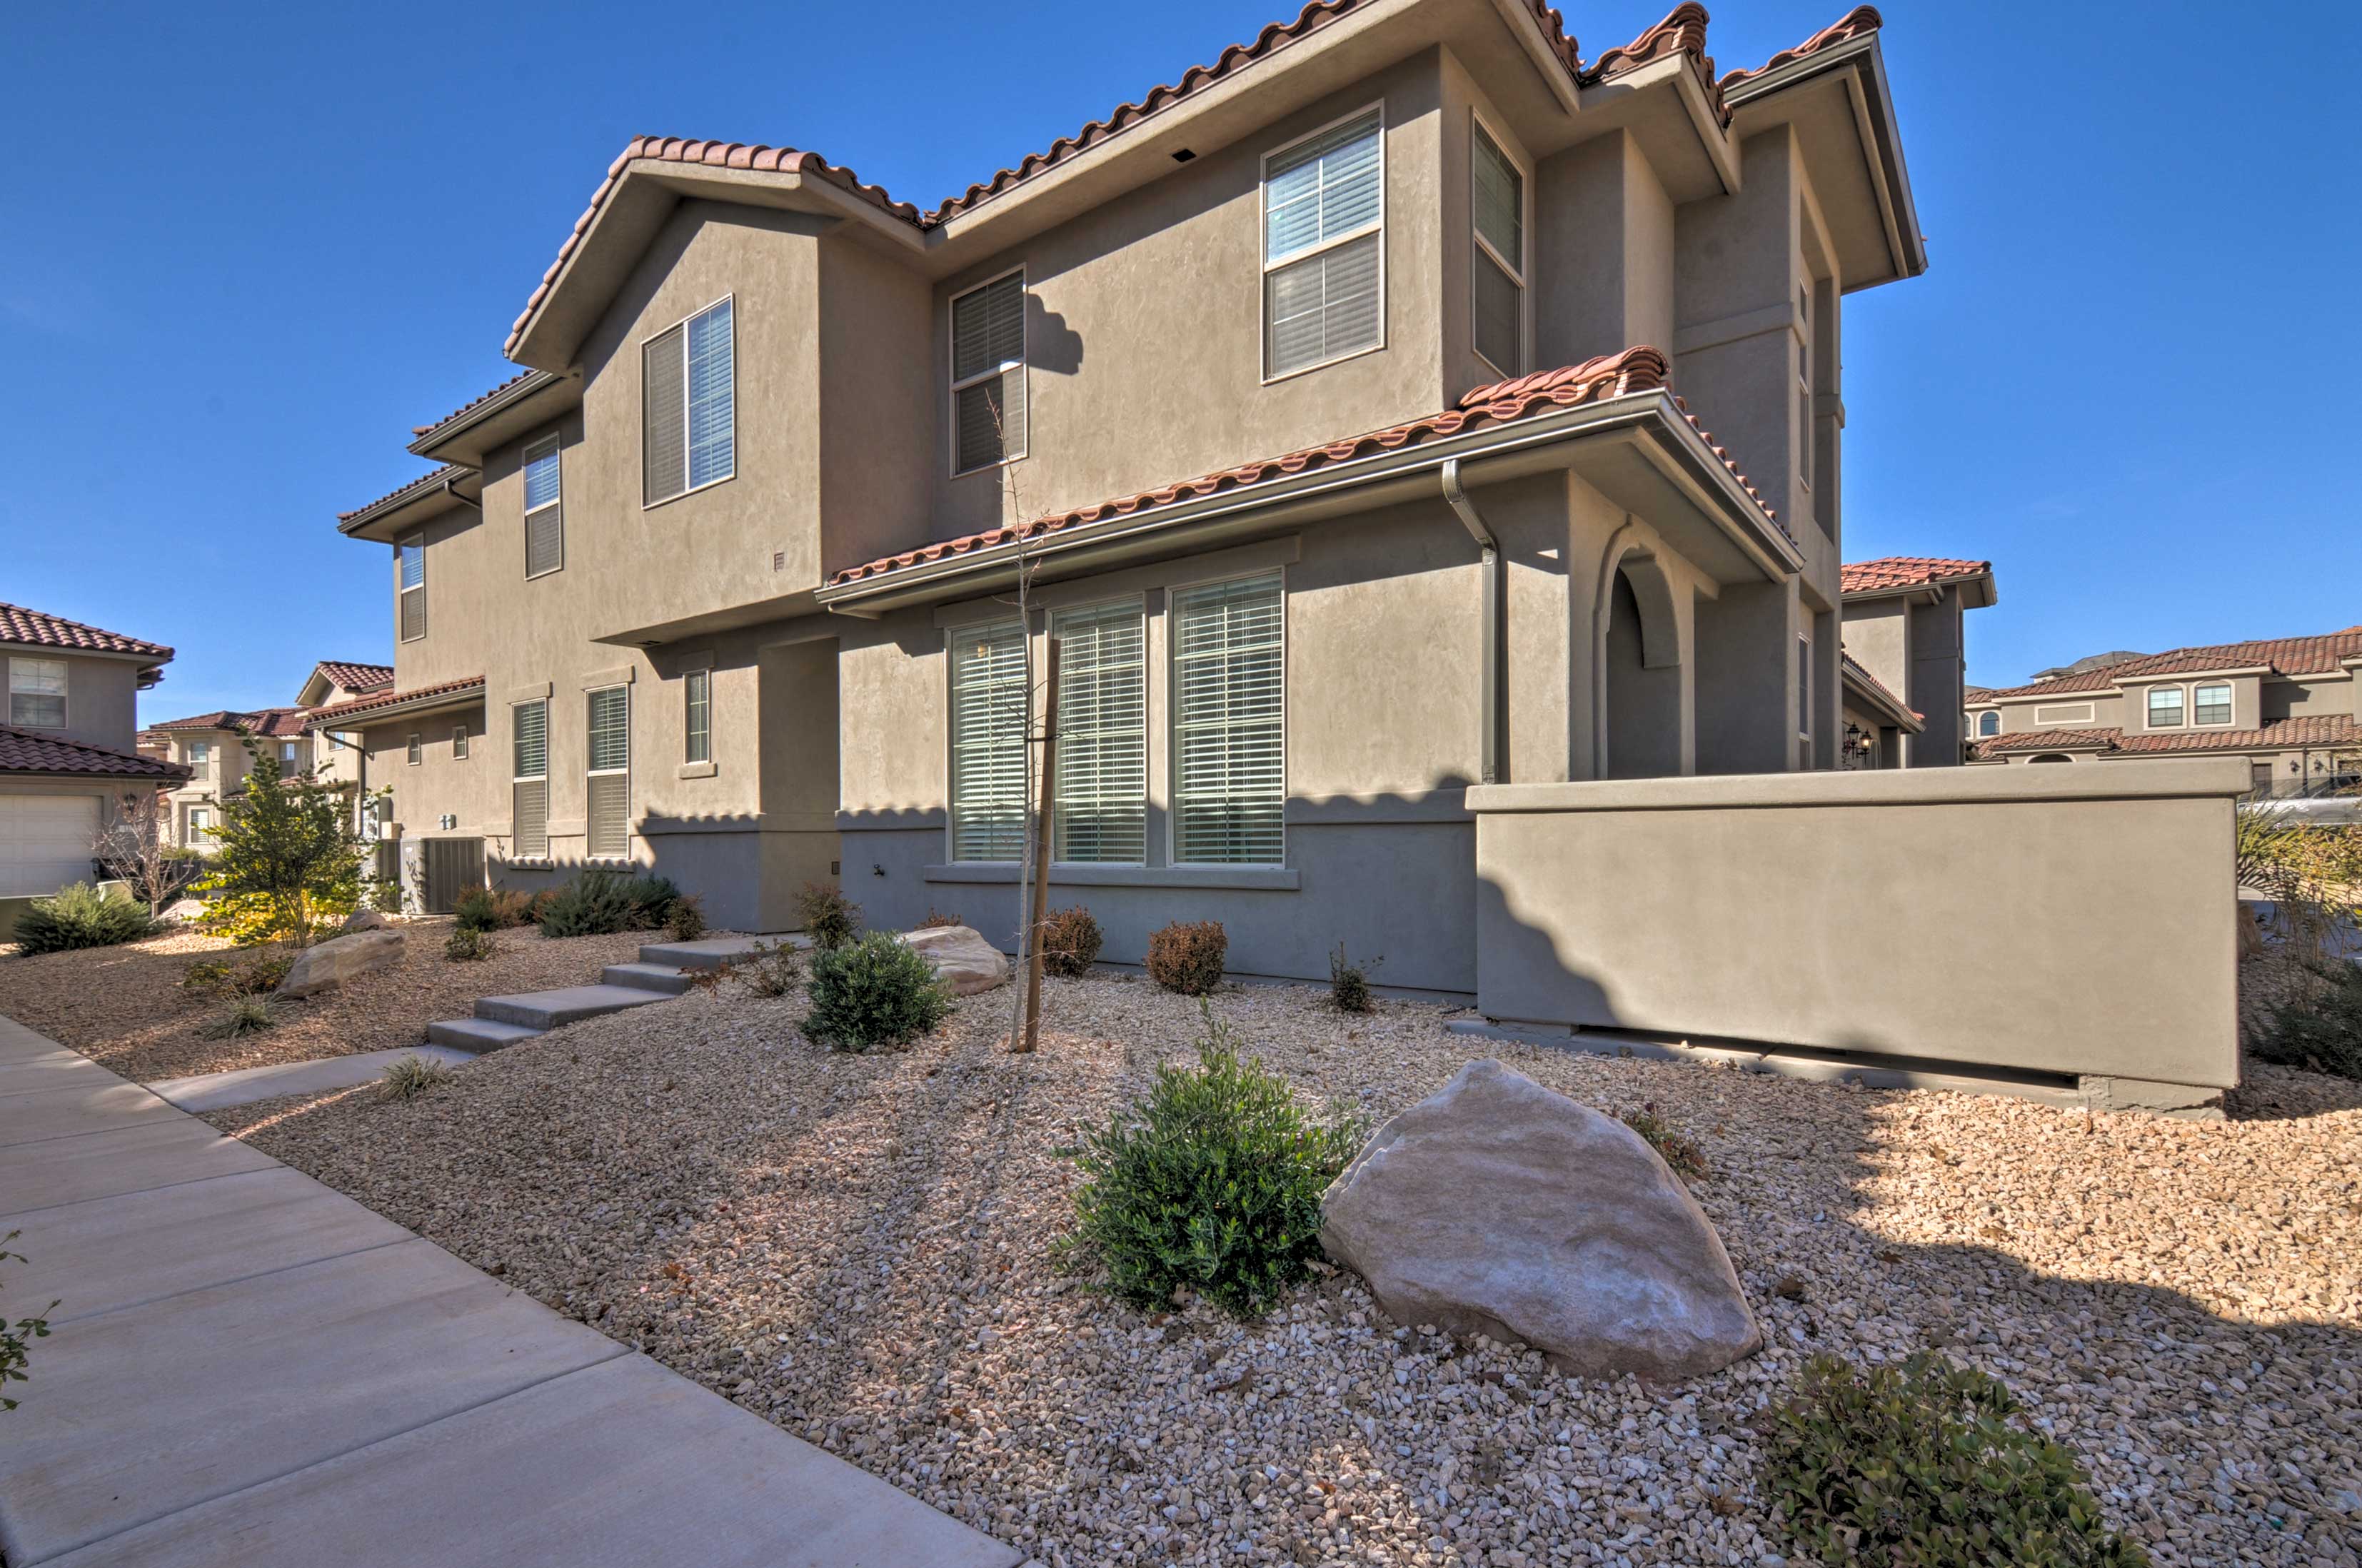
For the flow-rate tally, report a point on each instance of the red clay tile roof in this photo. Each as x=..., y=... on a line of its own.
x=2336, y=729
x=474, y=402
x=273, y=723
x=1852, y=24
x=2281, y=656
x=338, y=711
x=18, y=624
x=1905, y=572
x=1610, y=375
x=1683, y=32
x=27, y=751
x=355, y=677
x=419, y=486
x=1976, y=693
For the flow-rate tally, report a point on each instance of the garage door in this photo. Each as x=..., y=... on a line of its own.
x=45, y=842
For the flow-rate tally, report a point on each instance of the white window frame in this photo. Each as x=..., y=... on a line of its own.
x=1805, y=704
x=1138, y=604
x=543, y=856
x=1521, y=270
x=696, y=691
x=414, y=750
x=401, y=590
x=1980, y=733
x=552, y=439
x=1262, y=247
x=951, y=735
x=193, y=831
x=729, y=299
x=1804, y=382
x=1171, y=661
x=2149, y=707
x=589, y=739
x=1023, y=364
x=459, y=743
x=2230, y=702
x=64, y=692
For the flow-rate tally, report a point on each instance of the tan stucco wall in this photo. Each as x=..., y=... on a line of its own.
x=101, y=695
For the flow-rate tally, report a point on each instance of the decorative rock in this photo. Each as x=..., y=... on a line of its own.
x=340, y=958
x=960, y=957
x=185, y=912
x=1496, y=1207
x=364, y=919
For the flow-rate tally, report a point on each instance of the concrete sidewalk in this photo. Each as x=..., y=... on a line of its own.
x=247, y=1368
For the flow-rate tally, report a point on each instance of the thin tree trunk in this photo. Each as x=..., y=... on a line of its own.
x=1042, y=840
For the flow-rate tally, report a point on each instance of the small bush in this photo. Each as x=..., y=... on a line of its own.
x=685, y=922
x=1675, y=1147
x=2319, y=1026
x=874, y=991
x=15, y=1336
x=82, y=915
x=936, y=918
x=206, y=977
x=258, y=976
x=413, y=1076
x=250, y=920
x=1213, y=1182
x=247, y=1015
x=830, y=918
x=495, y=909
x=773, y=969
x=1917, y=1465
x=1070, y=942
x=600, y=903
x=1349, y=983
x=1187, y=957
x=467, y=944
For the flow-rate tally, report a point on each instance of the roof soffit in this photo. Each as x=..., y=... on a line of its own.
x=1837, y=101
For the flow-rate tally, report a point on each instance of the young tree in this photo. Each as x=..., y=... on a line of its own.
x=286, y=860
x=134, y=848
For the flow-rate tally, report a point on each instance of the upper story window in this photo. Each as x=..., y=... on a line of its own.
x=200, y=753
x=988, y=374
x=410, y=577
x=287, y=754
x=697, y=715
x=459, y=743
x=688, y=405
x=988, y=762
x=1498, y=265
x=2210, y=703
x=413, y=750
x=1230, y=732
x=1102, y=802
x=1323, y=229
x=37, y=693
x=1988, y=723
x=1804, y=384
x=2164, y=706
x=544, y=509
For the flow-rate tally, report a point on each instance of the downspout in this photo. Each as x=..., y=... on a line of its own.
x=450, y=488
x=1489, y=677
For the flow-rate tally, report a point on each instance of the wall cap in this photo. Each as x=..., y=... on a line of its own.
x=2136, y=778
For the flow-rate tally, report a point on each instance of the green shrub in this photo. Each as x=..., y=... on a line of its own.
x=82, y=915
x=1917, y=1465
x=2319, y=1026
x=493, y=908
x=247, y=1015
x=830, y=918
x=685, y=920
x=871, y=993
x=411, y=1076
x=1187, y=957
x=466, y=944
x=257, y=976
x=1213, y=1182
x=1349, y=983
x=286, y=864
x=1070, y=942
x=1673, y=1146
x=772, y=969
x=600, y=903
x=15, y=1336
x=207, y=978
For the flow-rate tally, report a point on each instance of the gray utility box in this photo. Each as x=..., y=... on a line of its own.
x=436, y=873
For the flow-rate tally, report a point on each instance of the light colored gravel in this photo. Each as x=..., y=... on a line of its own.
x=124, y=1007
x=859, y=1249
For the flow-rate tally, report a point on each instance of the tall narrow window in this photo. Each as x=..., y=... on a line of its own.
x=1988, y=723
x=2210, y=703
x=1229, y=773
x=545, y=510
x=608, y=825
x=988, y=374
x=1805, y=696
x=1323, y=221
x=1804, y=384
x=688, y=406
x=411, y=576
x=988, y=763
x=459, y=743
x=1102, y=734
x=2164, y=706
x=37, y=693
x=697, y=715
x=529, y=779
x=412, y=752
x=1498, y=264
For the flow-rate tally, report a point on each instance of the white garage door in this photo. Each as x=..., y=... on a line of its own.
x=45, y=842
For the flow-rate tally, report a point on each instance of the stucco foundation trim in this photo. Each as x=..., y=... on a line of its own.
x=1236, y=878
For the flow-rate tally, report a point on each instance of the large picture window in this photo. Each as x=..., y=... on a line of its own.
x=37, y=693
x=607, y=825
x=988, y=374
x=688, y=405
x=545, y=510
x=1102, y=789
x=529, y=776
x=1324, y=214
x=1229, y=775
x=1497, y=198
x=988, y=761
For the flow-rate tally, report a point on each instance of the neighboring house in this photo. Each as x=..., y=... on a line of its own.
x=68, y=746
x=1905, y=629
x=213, y=749
x=2291, y=706
x=336, y=757
x=721, y=582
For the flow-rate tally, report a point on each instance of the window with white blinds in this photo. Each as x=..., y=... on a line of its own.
x=545, y=510
x=1324, y=209
x=1497, y=200
x=607, y=827
x=37, y=693
x=409, y=586
x=688, y=405
x=1230, y=769
x=1102, y=781
x=988, y=374
x=988, y=721
x=529, y=779
x=697, y=715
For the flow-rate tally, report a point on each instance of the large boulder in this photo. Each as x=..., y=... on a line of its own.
x=339, y=959
x=184, y=911
x=1496, y=1207
x=364, y=919
x=960, y=957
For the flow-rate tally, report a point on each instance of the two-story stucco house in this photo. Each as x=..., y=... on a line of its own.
x=1907, y=657
x=1347, y=403
x=68, y=746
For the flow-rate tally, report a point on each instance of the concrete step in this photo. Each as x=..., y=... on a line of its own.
x=663, y=977
x=568, y=1004
x=714, y=952
x=477, y=1034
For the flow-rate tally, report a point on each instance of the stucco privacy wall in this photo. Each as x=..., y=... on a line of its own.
x=1824, y=910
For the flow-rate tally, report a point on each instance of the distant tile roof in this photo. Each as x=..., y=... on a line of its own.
x=1610, y=375
x=359, y=705
x=18, y=624
x=355, y=678
x=419, y=486
x=2311, y=730
x=27, y=751
x=2322, y=655
x=1905, y=572
x=270, y=723
x=1976, y=693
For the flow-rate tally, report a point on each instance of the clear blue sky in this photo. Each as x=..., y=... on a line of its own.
x=244, y=248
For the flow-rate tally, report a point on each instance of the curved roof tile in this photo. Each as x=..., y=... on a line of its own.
x=2282, y=656
x=1852, y=24
x=27, y=751
x=40, y=629
x=1905, y=572
x=420, y=485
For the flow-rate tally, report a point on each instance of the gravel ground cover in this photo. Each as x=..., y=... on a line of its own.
x=126, y=1009
x=859, y=1248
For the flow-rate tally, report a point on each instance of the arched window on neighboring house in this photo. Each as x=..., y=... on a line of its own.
x=1988, y=725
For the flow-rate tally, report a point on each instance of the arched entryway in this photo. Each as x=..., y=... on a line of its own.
x=1640, y=674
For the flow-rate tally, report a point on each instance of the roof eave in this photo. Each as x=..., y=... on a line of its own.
x=384, y=521
x=1872, y=693
x=467, y=436
x=1977, y=591
x=467, y=696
